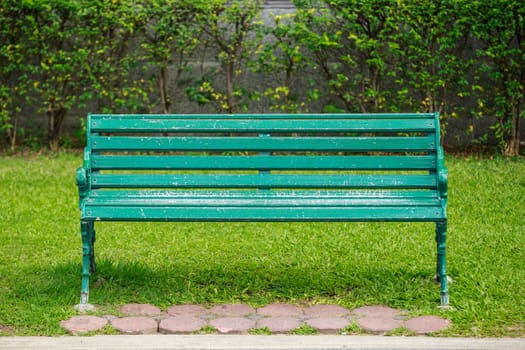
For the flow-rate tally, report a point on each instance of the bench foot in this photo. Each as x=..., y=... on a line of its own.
x=445, y=300
x=84, y=308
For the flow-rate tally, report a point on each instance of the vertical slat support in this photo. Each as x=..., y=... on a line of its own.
x=441, y=239
x=264, y=154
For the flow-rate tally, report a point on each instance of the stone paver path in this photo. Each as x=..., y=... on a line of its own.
x=242, y=319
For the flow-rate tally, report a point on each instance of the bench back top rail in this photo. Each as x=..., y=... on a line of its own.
x=313, y=151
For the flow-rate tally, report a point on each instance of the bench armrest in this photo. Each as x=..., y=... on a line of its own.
x=83, y=184
x=442, y=174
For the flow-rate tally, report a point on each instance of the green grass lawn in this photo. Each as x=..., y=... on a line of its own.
x=351, y=264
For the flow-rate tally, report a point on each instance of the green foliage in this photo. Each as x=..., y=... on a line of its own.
x=231, y=28
x=113, y=59
x=172, y=32
x=431, y=68
x=284, y=56
x=350, y=44
x=5, y=100
x=53, y=55
x=432, y=45
x=13, y=86
x=68, y=52
x=463, y=59
x=304, y=329
x=500, y=27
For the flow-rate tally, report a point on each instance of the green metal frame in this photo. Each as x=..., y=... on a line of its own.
x=441, y=226
x=265, y=167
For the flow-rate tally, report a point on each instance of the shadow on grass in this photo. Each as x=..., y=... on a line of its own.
x=117, y=283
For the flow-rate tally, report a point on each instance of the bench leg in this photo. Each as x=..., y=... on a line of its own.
x=86, y=229
x=441, y=239
x=92, y=263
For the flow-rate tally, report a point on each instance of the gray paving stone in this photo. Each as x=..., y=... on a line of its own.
x=187, y=310
x=232, y=310
x=378, y=325
x=427, y=324
x=232, y=325
x=5, y=330
x=281, y=310
x=110, y=317
x=376, y=311
x=181, y=325
x=325, y=310
x=255, y=317
x=82, y=324
x=328, y=325
x=135, y=325
x=279, y=324
x=140, y=310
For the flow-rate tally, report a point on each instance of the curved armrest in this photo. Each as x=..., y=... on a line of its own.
x=443, y=183
x=83, y=184
x=442, y=174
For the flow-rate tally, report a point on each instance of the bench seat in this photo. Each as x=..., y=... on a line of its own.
x=261, y=206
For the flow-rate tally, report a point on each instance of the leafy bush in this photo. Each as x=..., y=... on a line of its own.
x=463, y=59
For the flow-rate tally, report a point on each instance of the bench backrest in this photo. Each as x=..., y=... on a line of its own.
x=262, y=152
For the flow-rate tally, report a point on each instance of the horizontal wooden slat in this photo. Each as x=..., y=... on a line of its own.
x=266, y=116
x=270, y=213
x=268, y=144
x=127, y=125
x=263, y=162
x=255, y=194
x=253, y=200
x=262, y=180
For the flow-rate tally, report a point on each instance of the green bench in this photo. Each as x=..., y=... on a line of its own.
x=304, y=167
